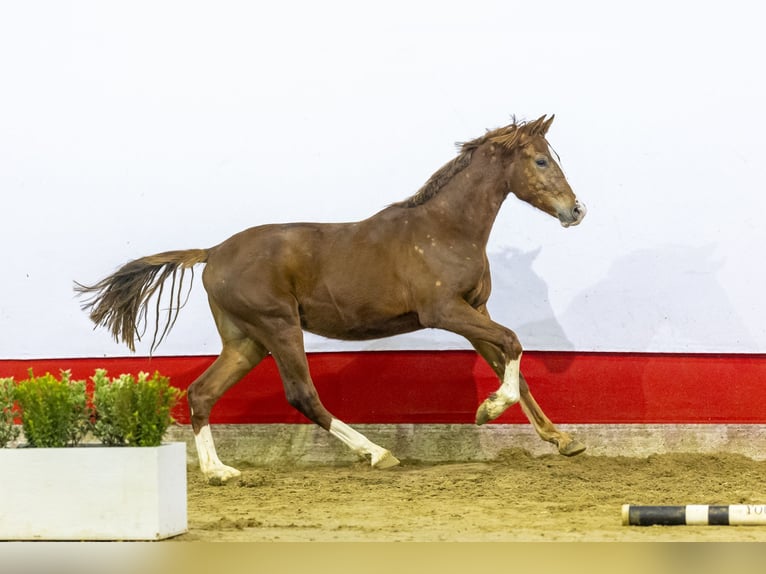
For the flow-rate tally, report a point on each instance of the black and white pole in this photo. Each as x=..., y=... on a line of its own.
x=694, y=515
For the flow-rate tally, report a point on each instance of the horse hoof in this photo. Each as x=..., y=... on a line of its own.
x=222, y=475
x=572, y=448
x=385, y=460
x=489, y=411
x=482, y=415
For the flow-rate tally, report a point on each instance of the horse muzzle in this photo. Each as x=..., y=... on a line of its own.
x=574, y=216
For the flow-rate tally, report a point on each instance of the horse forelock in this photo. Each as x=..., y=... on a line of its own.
x=509, y=137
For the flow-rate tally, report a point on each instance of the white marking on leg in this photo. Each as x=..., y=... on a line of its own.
x=509, y=390
x=506, y=395
x=360, y=444
x=209, y=463
x=208, y=458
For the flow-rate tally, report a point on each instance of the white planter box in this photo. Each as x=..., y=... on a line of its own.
x=93, y=492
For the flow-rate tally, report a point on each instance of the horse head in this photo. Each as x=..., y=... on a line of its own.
x=533, y=175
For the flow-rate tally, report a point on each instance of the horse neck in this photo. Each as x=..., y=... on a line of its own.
x=471, y=200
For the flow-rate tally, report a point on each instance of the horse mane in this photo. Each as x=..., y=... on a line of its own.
x=508, y=137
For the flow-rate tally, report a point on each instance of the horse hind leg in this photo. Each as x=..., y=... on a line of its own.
x=300, y=392
x=239, y=355
x=379, y=457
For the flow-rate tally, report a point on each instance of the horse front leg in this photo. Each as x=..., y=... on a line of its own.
x=546, y=430
x=506, y=395
x=497, y=344
x=501, y=350
x=567, y=445
x=509, y=373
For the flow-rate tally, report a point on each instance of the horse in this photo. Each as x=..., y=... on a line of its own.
x=417, y=264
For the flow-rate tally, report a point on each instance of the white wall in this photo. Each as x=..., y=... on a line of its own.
x=128, y=128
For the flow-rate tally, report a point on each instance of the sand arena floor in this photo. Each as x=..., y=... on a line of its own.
x=517, y=498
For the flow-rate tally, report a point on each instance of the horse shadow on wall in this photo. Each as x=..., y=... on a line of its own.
x=525, y=306
x=667, y=299
x=652, y=300
x=520, y=301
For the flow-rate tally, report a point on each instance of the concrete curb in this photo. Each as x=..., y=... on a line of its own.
x=304, y=444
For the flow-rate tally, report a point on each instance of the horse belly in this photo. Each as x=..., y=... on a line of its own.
x=360, y=327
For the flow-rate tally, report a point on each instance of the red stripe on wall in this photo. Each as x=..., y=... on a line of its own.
x=447, y=386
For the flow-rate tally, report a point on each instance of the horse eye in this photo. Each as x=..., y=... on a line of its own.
x=541, y=161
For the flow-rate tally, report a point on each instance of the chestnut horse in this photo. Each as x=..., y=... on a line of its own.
x=419, y=263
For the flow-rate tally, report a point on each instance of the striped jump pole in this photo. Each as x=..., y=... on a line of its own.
x=694, y=515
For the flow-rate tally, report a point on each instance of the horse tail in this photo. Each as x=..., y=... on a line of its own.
x=120, y=301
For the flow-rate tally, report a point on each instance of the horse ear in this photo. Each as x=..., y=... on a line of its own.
x=547, y=124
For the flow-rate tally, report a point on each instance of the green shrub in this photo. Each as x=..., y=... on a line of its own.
x=133, y=411
x=8, y=430
x=54, y=413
